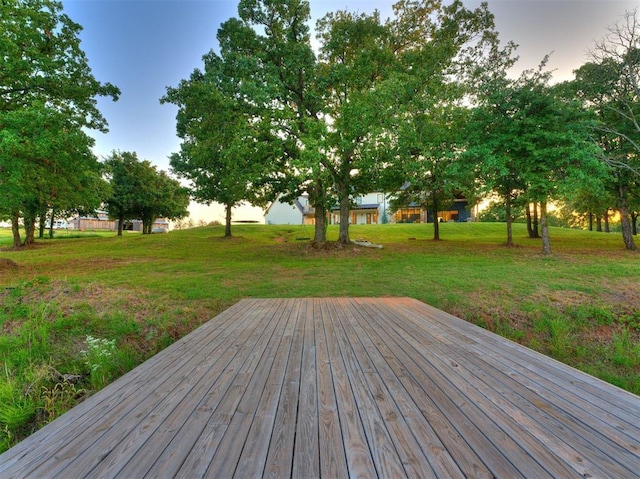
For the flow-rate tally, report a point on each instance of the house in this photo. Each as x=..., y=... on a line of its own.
x=101, y=222
x=371, y=208
x=298, y=213
x=458, y=210
x=367, y=210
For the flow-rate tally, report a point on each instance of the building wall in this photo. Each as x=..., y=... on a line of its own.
x=283, y=214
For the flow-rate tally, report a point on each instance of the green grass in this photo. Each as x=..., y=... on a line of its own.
x=132, y=296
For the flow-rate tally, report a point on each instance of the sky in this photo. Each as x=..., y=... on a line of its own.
x=144, y=46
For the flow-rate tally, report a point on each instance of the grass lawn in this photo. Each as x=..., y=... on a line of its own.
x=80, y=310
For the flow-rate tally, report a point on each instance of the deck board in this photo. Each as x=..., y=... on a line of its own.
x=341, y=387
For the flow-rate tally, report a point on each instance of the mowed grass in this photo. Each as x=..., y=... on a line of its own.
x=78, y=312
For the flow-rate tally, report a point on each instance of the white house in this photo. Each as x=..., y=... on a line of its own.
x=371, y=208
x=298, y=213
x=368, y=209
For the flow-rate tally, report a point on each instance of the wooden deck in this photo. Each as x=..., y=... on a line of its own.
x=340, y=388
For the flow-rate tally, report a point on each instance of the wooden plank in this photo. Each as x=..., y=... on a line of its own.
x=254, y=454
x=434, y=450
x=463, y=414
x=546, y=429
x=220, y=444
x=381, y=447
x=333, y=462
x=438, y=435
x=342, y=387
x=566, y=378
x=171, y=440
x=546, y=420
x=147, y=417
x=594, y=414
x=306, y=461
x=387, y=401
x=357, y=451
x=279, y=459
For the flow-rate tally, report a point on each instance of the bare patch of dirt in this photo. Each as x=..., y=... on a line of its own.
x=6, y=263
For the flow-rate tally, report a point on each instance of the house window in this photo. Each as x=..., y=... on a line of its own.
x=408, y=215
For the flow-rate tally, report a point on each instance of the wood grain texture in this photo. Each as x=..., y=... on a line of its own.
x=341, y=387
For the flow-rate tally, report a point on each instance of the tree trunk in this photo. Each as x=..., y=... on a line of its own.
x=436, y=220
x=529, y=221
x=606, y=222
x=590, y=219
x=599, y=223
x=536, y=233
x=227, y=220
x=120, y=224
x=623, y=208
x=634, y=223
x=317, y=201
x=42, y=225
x=345, y=208
x=15, y=229
x=509, y=219
x=320, y=229
x=51, y=224
x=546, y=241
x=29, y=229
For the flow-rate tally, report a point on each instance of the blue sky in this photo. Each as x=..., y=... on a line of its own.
x=143, y=46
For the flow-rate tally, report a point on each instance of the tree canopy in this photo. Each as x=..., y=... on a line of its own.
x=609, y=86
x=139, y=191
x=47, y=100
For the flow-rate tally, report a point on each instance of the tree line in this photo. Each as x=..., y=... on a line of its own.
x=47, y=102
x=420, y=104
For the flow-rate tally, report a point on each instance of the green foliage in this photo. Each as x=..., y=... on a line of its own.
x=225, y=164
x=139, y=191
x=47, y=97
x=609, y=87
x=496, y=212
x=528, y=142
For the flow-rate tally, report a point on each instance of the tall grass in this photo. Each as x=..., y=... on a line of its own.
x=75, y=314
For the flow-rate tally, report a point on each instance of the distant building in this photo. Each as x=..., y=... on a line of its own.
x=367, y=209
x=101, y=222
x=298, y=213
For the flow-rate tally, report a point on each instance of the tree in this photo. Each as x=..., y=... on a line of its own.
x=392, y=92
x=46, y=165
x=531, y=142
x=139, y=191
x=289, y=93
x=125, y=173
x=609, y=84
x=429, y=146
x=47, y=96
x=227, y=146
x=164, y=197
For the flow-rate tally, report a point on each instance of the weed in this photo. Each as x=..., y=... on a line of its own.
x=59, y=398
x=98, y=357
x=589, y=314
x=625, y=351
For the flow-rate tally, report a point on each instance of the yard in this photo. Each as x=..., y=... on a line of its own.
x=77, y=312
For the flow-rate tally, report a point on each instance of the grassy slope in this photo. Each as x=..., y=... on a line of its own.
x=582, y=305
